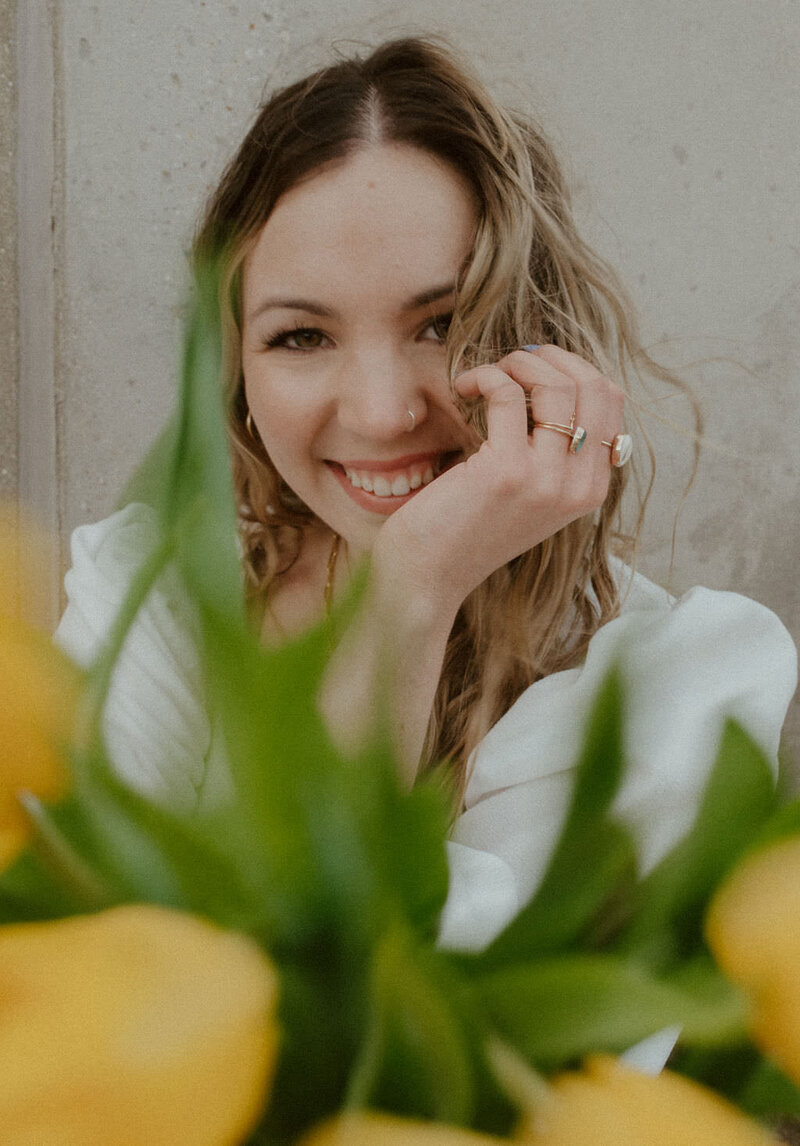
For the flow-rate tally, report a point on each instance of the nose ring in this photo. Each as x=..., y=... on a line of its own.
x=413, y=418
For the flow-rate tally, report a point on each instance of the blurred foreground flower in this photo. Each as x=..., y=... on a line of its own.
x=38, y=692
x=608, y=1104
x=369, y=1128
x=753, y=928
x=135, y=1025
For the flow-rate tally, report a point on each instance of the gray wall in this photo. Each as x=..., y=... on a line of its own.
x=678, y=125
x=9, y=360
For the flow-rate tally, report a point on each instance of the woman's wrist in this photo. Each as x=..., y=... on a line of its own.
x=394, y=648
x=404, y=588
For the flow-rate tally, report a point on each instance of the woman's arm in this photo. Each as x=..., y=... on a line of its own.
x=156, y=726
x=391, y=655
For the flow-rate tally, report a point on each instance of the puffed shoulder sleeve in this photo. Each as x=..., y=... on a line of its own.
x=156, y=724
x=687, y=665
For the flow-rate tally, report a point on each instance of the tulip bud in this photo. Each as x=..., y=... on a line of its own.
x=608, y=1104
x=369, y=1128
x=753, y=929
x=137, y=1025
x=38, y=687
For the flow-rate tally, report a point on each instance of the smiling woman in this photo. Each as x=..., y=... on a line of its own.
x=425, y=363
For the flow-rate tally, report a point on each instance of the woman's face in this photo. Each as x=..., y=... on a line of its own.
x=346, y=300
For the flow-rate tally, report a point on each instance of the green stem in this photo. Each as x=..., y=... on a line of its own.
x=526, y=1088
x=367, y=1064
x=57, y=853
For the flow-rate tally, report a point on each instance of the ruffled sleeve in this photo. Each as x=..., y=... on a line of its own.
x=156, y=725
x=687, y=665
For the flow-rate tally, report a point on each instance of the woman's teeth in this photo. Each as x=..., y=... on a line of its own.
x=384, y=486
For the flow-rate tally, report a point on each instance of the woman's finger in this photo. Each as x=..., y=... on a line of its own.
x=552, y=391
x=600, y=412
x=554, y=401
x=506, y=404
x=551, y=394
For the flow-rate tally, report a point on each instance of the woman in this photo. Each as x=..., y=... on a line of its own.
x=424, y=363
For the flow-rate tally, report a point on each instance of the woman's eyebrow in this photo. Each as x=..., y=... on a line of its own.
x=428, y=296
x=291, y=304
x=309, y=306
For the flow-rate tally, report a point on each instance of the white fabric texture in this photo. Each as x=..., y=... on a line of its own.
x=687, y=664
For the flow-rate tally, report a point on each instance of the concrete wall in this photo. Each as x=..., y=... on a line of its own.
x=677, y=123
x=9, y=360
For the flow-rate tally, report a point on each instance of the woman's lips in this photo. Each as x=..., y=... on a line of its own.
x=383, y=486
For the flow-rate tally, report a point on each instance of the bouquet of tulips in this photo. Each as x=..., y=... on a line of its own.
x=267, y=972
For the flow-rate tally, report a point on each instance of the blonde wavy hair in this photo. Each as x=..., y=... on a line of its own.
x=530, y=278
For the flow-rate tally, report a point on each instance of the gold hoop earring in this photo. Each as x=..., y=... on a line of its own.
x=248, y=425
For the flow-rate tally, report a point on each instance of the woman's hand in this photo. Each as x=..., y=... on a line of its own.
x=518, y=488
x=514, y=491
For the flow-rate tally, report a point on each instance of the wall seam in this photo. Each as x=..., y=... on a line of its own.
x=58, y=209
x=36, y=224
x=9, y=304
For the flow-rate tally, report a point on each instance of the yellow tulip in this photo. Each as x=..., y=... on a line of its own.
x=38, y=693
x=137, y=1026
x=369, y=1128
x=753, y=928
x=26, y=556
x=608, y=1104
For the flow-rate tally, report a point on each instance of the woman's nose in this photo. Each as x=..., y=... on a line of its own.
x=380, y=397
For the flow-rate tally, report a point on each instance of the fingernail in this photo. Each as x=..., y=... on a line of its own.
x=531, y=346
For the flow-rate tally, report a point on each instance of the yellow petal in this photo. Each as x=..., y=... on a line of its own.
x=26, y=554
x=609, y=1104
x=38, y=685
x=137, y=1026
x=753, y=929
x=38, y=693
x=369, y=1128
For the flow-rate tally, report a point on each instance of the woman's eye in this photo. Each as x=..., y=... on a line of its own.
x=301, y=338
x=437, y=328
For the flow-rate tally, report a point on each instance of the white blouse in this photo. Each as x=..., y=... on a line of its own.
x=687, y=664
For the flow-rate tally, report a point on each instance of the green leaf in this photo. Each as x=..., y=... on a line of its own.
x=29, y=892
x=785, y=822
x=321, y=1015
x=420, y=1061
x=328, y=837
x=198, y=508
x=148, y=483
x=594, y=857
x=560, y=1009
x=769, y=1093
x=737, y=801
x=160, y=856
x=408, y=848
x=290, y=822
x=742, y=1075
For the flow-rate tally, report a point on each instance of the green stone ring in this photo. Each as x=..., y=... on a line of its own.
x=576, y=434
x=578, y=439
